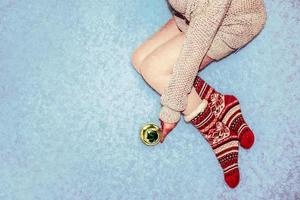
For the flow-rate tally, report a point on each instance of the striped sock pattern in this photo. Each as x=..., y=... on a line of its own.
x=223, y=142
x=227, y=109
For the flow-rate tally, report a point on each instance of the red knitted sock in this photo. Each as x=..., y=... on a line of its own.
x=223, y=141
x=227, y=109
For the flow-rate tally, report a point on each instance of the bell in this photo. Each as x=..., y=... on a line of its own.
x=150, y=134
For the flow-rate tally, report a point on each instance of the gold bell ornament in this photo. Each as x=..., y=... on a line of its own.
x=150, y=134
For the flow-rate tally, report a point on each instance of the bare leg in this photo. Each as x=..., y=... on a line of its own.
x=165, y=33
x=158, y=83
x=157, y=69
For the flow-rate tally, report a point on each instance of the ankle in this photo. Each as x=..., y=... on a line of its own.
x=199, y=109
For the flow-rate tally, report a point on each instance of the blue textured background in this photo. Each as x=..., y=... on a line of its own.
x=72, y=105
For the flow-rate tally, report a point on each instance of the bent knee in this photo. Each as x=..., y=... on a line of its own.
x=151, y=69
x=136, y=60
x=148, y=68
x=144, y=69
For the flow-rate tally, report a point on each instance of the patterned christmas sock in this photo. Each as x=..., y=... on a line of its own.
x=227, y=109
x=223, y=141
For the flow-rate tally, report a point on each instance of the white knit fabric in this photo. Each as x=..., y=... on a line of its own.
x=234, y=21
x=201, y=107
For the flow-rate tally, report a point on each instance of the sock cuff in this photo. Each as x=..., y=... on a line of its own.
x=201, y=107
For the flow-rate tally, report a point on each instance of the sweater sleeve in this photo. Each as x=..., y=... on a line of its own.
x=198, y=38
x=181, y=24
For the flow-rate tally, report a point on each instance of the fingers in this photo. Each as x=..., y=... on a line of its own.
x=164, y=134
x=164, y=131
x=166, y=128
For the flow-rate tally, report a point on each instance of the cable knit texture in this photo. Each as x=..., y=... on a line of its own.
x=235, y=21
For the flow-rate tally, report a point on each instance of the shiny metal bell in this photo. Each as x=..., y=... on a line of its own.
x=150, y=134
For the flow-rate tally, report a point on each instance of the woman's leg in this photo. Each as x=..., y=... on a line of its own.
x=157, y=71
x=157, y=68
x=165, y=33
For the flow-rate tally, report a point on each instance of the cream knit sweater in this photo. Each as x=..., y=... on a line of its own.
x=204, y=18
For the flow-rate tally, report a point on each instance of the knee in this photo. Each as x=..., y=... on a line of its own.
x=152, y=68
x=149, y=70
x=136, y=60
x=145, y=69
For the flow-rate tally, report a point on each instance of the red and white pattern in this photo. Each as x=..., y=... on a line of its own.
x=219, y=133
x=227, y=109
x=217, y=103
x=223, y=141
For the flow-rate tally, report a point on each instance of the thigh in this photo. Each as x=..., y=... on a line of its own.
x=163, y=58
x=165, y=33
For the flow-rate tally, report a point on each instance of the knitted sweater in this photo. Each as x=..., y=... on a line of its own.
x=200, y=22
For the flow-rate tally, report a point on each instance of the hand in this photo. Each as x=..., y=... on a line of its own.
x=166, y=128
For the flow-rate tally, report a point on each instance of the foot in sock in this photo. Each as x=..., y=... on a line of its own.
x=227, y=109
x=223, y=141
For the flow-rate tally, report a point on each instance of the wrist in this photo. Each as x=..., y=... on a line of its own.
x=168, y=115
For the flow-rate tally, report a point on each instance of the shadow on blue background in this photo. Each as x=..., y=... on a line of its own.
x=72, y=105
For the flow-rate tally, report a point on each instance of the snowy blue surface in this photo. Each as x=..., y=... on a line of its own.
x=72, y=105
